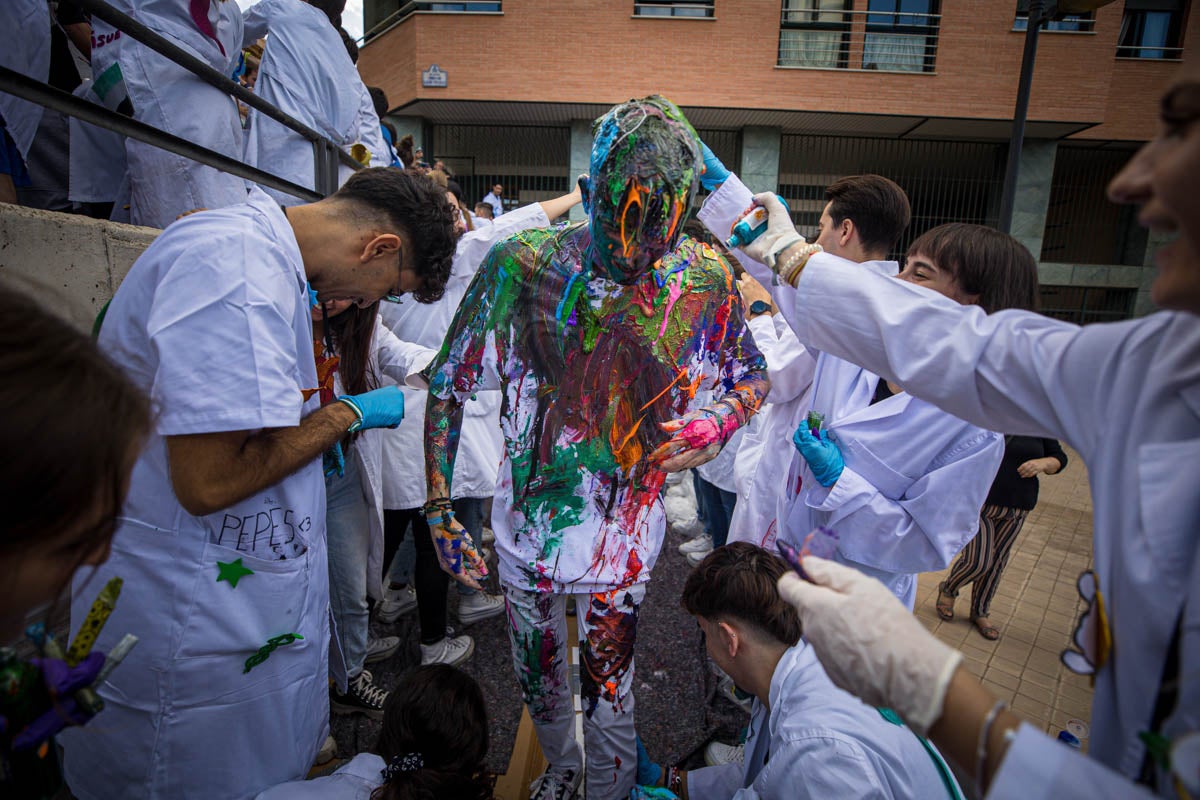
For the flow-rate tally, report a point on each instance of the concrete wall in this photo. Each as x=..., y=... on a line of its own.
x=71, y=264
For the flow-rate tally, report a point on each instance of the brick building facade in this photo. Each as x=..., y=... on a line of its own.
x=793, y=93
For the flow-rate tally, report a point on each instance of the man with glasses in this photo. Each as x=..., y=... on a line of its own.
x=221, y=542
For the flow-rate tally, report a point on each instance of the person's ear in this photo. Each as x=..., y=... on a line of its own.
x=382, y=245
x=845, y=232
x=731, y=640
x=585, y=192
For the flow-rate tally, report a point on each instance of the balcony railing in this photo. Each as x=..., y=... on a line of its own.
x=690, y=9
x=1139, y=51
x=887, y=41
x=407, y=9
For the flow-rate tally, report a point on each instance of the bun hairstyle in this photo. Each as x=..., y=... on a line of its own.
x=435, y=738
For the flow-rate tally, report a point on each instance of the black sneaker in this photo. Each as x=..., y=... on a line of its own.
x=362, y=696
x=556, y=785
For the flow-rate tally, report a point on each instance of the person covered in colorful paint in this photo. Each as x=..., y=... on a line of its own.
x=603, y=335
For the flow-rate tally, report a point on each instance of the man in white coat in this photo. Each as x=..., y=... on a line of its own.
x=221, y=542
x=807, y=739
x=308, y=74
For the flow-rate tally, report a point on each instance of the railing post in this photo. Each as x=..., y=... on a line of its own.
x=1037, y=9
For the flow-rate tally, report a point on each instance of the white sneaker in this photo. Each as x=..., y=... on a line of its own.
x=477, y=606
x=397, y=602
x=701, y=544
x=556, y=784
x=381, y=648
x=694, y=559
x=487, y=536
x=451, y=651
x=327, y=752
x=716, y=754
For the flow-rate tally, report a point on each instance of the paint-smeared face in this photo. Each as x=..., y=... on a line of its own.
x=643, y=178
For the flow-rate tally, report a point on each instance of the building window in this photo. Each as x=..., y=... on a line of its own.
x=701, y=9
x=1151, y=29
x=1084, y=304
x=901, y=35
x=1063, y=23
x=470, y=7
x=815, y=33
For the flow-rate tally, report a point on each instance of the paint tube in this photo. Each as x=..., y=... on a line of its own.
x=821, y=542
x=751, y=226
x=814, y=421
x=93, y=623
x=115, y=657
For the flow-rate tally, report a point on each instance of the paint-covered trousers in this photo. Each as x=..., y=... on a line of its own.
x=537, y=627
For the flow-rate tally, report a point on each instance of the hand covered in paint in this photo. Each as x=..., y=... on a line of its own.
x=60, y=682
x=714, y=173
x=378, y=408
x=456, y=550
x=869, y=643
x=823, y=455
x=779, y=235
x=697, y=437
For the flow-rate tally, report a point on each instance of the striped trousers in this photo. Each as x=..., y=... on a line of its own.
x=983, y=560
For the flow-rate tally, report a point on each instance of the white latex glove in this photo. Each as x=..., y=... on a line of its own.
x=869, y=643
x=779, y=235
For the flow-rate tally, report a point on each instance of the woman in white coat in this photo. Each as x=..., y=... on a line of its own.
x=904, y=482
x=1126, y=395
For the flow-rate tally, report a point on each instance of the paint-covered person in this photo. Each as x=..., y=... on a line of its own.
x=808, y=738
x=603, y=334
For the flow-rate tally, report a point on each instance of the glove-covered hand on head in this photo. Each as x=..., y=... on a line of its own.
x=780, y=234
x=821, y=452
x=869, y=643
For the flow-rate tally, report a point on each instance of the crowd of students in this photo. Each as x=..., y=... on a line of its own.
x=289, y=389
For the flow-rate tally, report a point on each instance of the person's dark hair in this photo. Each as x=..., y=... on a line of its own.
x=404, y=149
x=71, y=423
x=352, y=333
x=984, y=262
x=351, y=45
x=878, y=208
x=738, y=580
x=332, y=9
x=380, y=100
x=411, y=201
x=484, y=210
x=436, y=721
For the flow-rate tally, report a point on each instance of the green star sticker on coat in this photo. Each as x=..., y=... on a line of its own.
x=233, y=572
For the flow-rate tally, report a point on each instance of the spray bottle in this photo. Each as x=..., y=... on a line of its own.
x=751, y=226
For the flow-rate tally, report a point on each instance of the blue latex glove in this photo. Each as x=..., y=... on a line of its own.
x=652, y=793
x=312, y=296
x=61, y=683
x=378, y=408
x=714, y=171
x=821, y=453
x=648, y=773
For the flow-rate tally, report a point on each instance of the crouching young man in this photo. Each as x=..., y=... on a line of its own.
x=807, y=737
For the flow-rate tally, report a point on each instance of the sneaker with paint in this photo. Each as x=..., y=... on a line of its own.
x=701, y=544
x=381, y=648
x=362, y=696
x=397, y=602
x=453, y=650
x=716, y=754
x=556, y=784
x=477, y=606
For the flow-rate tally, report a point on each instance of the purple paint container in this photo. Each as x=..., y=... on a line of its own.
x=821, y=542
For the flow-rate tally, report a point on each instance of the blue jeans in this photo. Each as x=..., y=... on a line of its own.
x=716, y=509
x=348, y=532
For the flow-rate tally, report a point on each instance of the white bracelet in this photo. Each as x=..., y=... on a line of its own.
x=981, y=745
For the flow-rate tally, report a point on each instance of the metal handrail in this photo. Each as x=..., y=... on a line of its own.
x=1131, y=51
x=35, y=91
x=412, y=7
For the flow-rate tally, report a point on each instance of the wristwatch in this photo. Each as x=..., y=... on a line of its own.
x=759, y=307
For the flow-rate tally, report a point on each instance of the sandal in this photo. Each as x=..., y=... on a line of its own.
x=944, y=605
x=986, y=629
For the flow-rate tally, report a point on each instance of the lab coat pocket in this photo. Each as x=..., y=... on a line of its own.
x=876, y=470
x=1170, y=506
x=239, y=603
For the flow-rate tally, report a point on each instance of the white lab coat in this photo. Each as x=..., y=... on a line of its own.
x=496, y=203
x=24, y=48
x=908, y=499
x=354, y=780
x=480, y=444
x=163, y=185
x=819, y=742
x=1126, y=395
x=399, y=362
x=306, y=73
x=220, y=341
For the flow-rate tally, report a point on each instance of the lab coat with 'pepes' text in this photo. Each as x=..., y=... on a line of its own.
x=1126, y=395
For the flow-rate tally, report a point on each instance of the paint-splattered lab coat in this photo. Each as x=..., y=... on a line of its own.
x=588, y=370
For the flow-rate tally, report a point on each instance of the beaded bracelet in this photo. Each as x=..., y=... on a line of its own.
x=791, y=269
x=981, y=745
x=675, y=780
